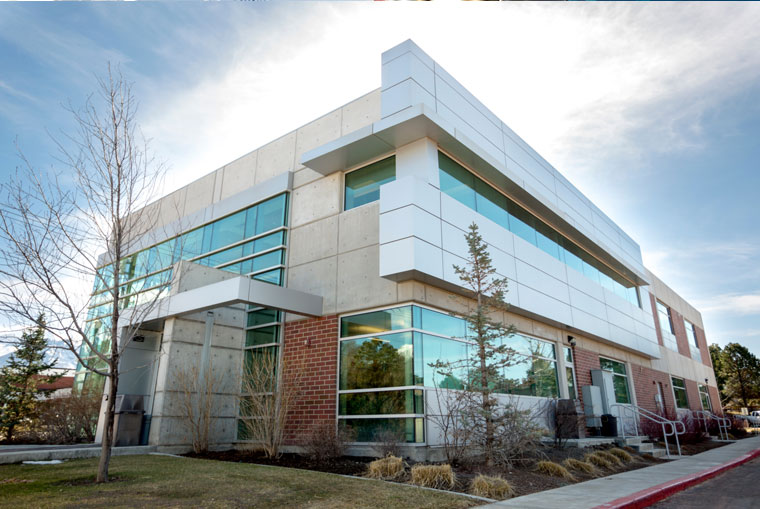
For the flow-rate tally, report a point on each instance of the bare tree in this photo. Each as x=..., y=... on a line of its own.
x=268, y=395
x=53, y=226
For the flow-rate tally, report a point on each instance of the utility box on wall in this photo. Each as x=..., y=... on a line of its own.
x=592, y=406
x=603, y=380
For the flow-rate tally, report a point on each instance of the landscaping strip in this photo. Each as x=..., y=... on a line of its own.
x=649, y=496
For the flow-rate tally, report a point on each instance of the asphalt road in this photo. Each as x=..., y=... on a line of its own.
x=739, y=488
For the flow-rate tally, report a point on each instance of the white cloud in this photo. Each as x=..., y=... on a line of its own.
x=731, y=304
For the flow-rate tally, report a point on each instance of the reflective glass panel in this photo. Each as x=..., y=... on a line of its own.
x=384, y=361
x=271, y=214
x=570, y=383
x=378, y=403
x=262, y=335
x=376, y=322
x=273, y=276
x=363, y=185
x=441, y=323
x=368, y=430
x=262, y=316
x=456, y=182
x=434, y=350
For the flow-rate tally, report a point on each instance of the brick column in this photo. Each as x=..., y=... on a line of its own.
x=312, y=345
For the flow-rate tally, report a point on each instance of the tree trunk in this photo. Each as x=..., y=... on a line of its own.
x=105, y=449
x=9, y=433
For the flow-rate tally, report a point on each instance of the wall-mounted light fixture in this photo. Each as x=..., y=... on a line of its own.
x=571, y=340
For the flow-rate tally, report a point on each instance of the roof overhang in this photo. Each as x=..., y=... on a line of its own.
x=237, y=290
x=420, y=121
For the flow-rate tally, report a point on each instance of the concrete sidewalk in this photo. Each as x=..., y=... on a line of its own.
x=19, y=453
x=611, y=491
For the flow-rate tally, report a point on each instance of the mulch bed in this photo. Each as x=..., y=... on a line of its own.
x=523, y=477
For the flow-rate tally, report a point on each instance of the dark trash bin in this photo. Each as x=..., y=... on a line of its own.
x=609, y=425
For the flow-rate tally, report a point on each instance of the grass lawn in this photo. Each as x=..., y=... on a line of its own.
x=163, y=481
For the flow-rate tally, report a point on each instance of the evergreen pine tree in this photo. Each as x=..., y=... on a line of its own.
x=25, y=370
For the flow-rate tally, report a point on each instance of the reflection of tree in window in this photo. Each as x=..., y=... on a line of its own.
x=376, y=362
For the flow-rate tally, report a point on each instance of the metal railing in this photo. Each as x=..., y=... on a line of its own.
x=704, y=416
x=669, y=428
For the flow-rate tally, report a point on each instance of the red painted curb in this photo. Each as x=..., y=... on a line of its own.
x=649, y=496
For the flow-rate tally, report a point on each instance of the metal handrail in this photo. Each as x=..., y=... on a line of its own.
x=669, y=428
x=723, y=423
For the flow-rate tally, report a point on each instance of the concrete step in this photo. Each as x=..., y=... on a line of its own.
x=658, y=453
x=644, y=447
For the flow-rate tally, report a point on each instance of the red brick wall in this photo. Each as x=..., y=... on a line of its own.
x=312, y=345
x=584, y=361
x=703, y=350
x=656, y=319
x=715, y=400
x=645, y=384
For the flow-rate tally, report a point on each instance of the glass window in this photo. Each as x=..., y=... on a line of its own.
x=691, y=333
x=548, y=240
x=228, y=230
x=273, y=276
x=531, y=376
x=225, y=256
x=439, y=323
x=376, y=322
x=385, y=361
x=363, y=185
x=666, y=324
x=367, y=430
x=570, y=383
x=271, y=214
x=491, y=203
x=679, y=391
x=704, y=397
x=262, y=335
x=619, y=379
x=263, y=316
x=521, y=223
x=456, y=182
x=530, y=346
x=268, y=260
x=435, y=349
x=379, y=403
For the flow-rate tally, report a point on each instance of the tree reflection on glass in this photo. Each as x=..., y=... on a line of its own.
x=377, y=362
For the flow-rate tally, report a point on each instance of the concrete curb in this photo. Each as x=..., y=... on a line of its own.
x=649, y=496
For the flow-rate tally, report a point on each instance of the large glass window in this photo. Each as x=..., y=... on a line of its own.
x=619, y=379
x=363, y=185
x=368, y=430
x=374, y=362
x=384, y=353
x=475, y=193
x=704, y=397
x=570, y=373
x=666, y=326
x=679, y=391
x=691, y=334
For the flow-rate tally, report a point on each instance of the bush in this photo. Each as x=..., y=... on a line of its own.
x=389, y=467
x=738, y=428
x=614, y=460
x=388, y=442
x=325, y=441
x=621, y=455
x=491, y=487
x=596, y=459
x=579, y=466
x=68, y=420
x=553, y=469
x=433, y=476
x=694, y=429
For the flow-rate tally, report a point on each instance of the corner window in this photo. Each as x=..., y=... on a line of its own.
x=679, y=391
x=691, y=334
x=363, y=185
x=666, y=326
x=619, y=379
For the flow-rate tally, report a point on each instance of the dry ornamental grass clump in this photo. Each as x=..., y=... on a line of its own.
x=596, y=459
x=614, y=460
x=621, y=455
x=433, y=476
x=491, y=487
x=579, y=466
x=389, y=467
x=553, y=469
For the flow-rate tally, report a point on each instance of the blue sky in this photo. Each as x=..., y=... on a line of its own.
x=651, y=110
